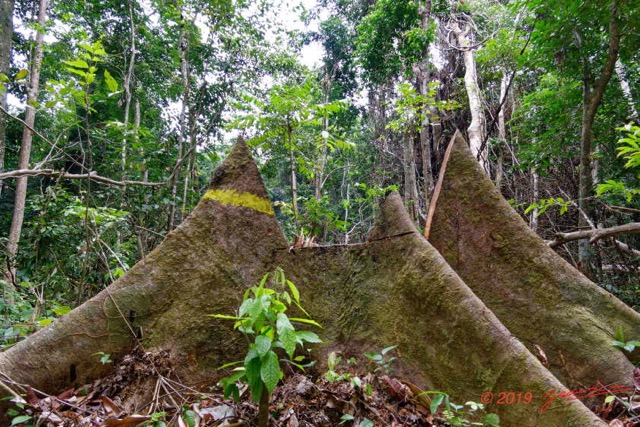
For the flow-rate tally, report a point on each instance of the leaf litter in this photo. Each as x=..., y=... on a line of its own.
x=142, y=391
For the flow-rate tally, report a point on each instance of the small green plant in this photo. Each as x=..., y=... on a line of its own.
x=105, y=358
x=384, y=363
x=262, y=316
x=157, y=420
x=460, y=415
x=621, y=342
x=332, y=375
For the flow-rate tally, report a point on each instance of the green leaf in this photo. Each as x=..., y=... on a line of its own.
x=270, y=371
x=77, y=63
x=491, y=420
x=286, y=334
x=436, y=402
x=190, y=418
x=346, y=417
x=111, y=83
x=61, y=310
x=226, y=316
x=306, y=336
x=20, y=419
x=21, y=74
x=252, y=367
x=366, y=423
x=609, y=399
x=294, y=291
x=263, y=345
x=307, y=321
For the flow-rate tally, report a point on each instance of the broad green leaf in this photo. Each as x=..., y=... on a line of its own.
x=492, y=420
x=270, y=371
x=306, y=336
x=20, y=419
x=77, y=63
x=286, y=334
x=436, y=402
x=263, y=344
x=252, y=367
x=609, y=399
x=21, y=74
x=190, y=418
x=366, y=423
x=111, y=83
x=61, y=310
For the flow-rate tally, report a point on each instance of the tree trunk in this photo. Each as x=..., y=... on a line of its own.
x=6, y=34
x=27, y=138
x=591, y=102
x=476, y=129
x=411, y=199
x=183, y=48
x=128, y=78
x=626, y=90
x=502, y=129
x=533, y=221
x=393, y=289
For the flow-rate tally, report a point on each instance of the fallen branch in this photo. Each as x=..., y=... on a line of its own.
x=594, y=234
x=93, y=176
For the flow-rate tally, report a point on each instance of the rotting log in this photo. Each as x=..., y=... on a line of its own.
x=394, y=289
x=537, y=295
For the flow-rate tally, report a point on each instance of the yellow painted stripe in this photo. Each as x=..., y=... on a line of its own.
x=245, y=200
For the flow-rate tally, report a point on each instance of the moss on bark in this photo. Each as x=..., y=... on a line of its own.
x=533, y=291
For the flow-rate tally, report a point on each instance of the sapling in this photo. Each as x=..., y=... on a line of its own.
x=261, y=317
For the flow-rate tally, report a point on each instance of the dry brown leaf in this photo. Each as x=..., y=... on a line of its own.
x=616, y=423
x=110, y=406
x=32, y=399
x=540, y=354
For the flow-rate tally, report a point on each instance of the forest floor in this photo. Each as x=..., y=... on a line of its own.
x=140, y=391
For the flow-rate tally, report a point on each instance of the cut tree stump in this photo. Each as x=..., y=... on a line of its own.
x=395, y=289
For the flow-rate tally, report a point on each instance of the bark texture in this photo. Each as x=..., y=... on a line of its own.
x=394, y=289
x=536, y=294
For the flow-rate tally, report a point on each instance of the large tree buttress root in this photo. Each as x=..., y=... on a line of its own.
x=394, y=289
x=546, y=303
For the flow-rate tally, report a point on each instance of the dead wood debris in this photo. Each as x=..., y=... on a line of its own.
x=141, y=385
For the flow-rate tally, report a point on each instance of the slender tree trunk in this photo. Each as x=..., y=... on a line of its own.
x=27, y=138
x=183, y=48
x=502, y=129
x=294, y=179
x=6, y=33
x=626, y=89
x=591, y=102
x=477, y=127
x=533, y=219
x=128, y=78
x=421, y=71
x=410, y=184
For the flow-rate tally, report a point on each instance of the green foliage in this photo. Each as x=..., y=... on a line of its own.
x=384, y=363
x=332, y=374
x=262, y=318
x=390, y=39
x=543, y=204
x=621, y=342
x=460, y=415
x=629, y=149
x=413, y=109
